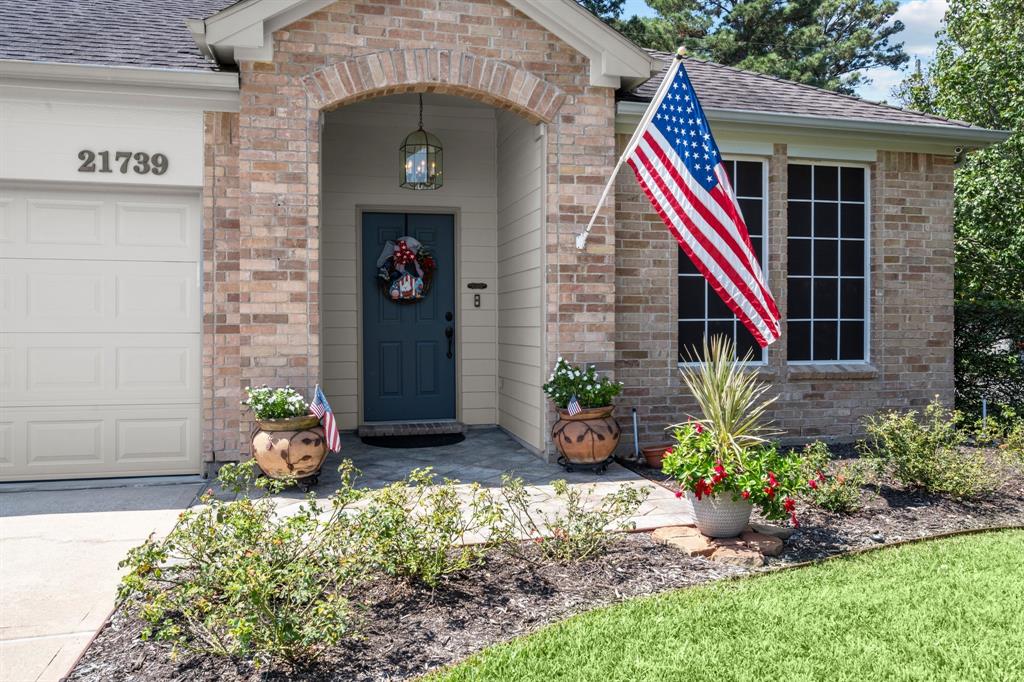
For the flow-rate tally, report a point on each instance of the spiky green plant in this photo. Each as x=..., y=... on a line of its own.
x=730, y=397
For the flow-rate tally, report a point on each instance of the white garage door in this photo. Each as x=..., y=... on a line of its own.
x=99, y=333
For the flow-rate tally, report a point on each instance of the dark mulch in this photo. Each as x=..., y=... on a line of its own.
x=890, y=513
x=410, y=631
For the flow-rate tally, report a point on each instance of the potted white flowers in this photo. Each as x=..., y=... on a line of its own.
x=287, y=442
x=586, y=432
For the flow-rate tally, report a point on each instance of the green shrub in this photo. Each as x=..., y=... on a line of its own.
x=411, y=529
x=927, y=453
x=833, y=488
x=585, y=382
x=238, y=579
x=574, y=533
x=275, y=403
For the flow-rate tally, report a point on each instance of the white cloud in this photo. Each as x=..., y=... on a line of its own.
x=921, y=19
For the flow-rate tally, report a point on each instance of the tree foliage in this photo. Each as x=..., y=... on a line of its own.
x=978, y=76
x=825, y=43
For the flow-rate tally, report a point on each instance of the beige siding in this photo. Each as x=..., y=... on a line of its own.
x=361, y=170
x=520, y=278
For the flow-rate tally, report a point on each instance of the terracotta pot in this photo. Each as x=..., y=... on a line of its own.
x=588, y=437
x=655, y=453
x=289, y=448
x=720, y=516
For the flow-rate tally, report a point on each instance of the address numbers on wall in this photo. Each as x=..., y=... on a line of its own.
x=122, y=162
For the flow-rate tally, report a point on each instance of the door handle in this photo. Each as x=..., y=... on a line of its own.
x=449, y=332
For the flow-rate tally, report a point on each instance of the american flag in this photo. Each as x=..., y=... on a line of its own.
x=679, y=167
x=573, y=408
x=322, y=409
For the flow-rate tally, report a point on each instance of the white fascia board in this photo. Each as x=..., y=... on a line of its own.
x=628, y=114
x=189, y=81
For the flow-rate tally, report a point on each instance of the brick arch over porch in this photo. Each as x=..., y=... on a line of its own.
x=451, y=72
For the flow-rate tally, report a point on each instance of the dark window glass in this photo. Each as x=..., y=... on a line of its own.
x=826, y=257
x=799, y=342
x=825, y=340
x=853, y=184
x=751, y=211
x=691, y=336
x=799, y=298
x=799, y=218
x=799, y=256
x=748, y=181
x=852, y=299
x=686, y=266
x=826, y=183
x=826, y=219
x=691, y=298
x=827, y=264
x=799, y=181
x=852, y=257
x=851, y=340
x=697, y=318
x=826, y=298
x=852, y=218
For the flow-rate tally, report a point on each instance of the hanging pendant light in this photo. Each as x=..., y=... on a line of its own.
x=421, y=159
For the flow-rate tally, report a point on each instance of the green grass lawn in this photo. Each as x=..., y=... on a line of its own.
x=948, y=609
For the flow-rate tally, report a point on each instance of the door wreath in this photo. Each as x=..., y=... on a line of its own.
x=405, y=269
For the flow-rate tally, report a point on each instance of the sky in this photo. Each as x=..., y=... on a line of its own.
x=921, y=19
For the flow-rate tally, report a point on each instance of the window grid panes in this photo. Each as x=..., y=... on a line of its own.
x=827, y=264
x=701, y=311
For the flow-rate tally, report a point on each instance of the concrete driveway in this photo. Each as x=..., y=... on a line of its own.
x=59, y=548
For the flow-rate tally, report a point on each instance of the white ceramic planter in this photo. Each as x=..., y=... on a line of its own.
x=719, y=516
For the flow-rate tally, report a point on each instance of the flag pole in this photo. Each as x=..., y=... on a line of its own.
x=581, y=238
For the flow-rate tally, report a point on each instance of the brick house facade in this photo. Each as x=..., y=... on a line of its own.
x=557, y=93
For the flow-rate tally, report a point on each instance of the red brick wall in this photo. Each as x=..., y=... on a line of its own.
x=911, y=356
x=483, y=49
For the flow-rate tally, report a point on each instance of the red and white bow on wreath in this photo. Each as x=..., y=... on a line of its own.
x=402, y=252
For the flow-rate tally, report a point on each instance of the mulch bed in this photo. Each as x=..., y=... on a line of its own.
x=408, y=632
x=890, y=513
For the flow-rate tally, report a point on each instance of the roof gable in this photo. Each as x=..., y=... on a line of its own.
x=243, y=32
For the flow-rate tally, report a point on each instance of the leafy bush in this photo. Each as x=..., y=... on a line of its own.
x=989, y=355
x=575, y=533
x=927, y=453
x=410, y=529
x=589, y=387
x=275, y=403
x=837, y=491
x=237, y=579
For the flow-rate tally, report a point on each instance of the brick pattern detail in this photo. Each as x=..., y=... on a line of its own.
x=483, y=49
x=911, y=356
x=221, y=388
x=451, y=72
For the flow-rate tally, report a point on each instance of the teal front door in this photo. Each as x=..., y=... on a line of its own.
x=409, y=346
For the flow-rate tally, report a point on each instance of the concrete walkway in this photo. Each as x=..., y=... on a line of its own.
x=59, y=548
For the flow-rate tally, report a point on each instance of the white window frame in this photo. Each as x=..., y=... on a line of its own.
x=839, y=278
x=763, y=257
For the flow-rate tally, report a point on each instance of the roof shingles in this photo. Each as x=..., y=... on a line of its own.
x=725, y=87
x=134, y=33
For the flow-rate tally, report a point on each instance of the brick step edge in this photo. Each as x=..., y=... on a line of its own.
x=411, y=428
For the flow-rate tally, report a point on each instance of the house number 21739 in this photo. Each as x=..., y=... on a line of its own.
x=138, y=162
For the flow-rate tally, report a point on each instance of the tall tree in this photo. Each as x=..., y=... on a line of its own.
x=978, y=76
x=819, y=42
x=606, y=10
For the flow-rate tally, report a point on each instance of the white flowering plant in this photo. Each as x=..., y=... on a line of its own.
x=582, y=381
x=275, y=403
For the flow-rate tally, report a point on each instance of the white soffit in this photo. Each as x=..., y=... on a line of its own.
x=243, y=32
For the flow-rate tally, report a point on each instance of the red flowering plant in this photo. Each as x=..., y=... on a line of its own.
x=727, y=451
x=767, y=478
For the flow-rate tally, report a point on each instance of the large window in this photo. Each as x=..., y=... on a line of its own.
x=827, y=271
x=701, y=311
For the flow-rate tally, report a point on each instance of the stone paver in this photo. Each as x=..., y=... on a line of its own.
x=59, y=551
